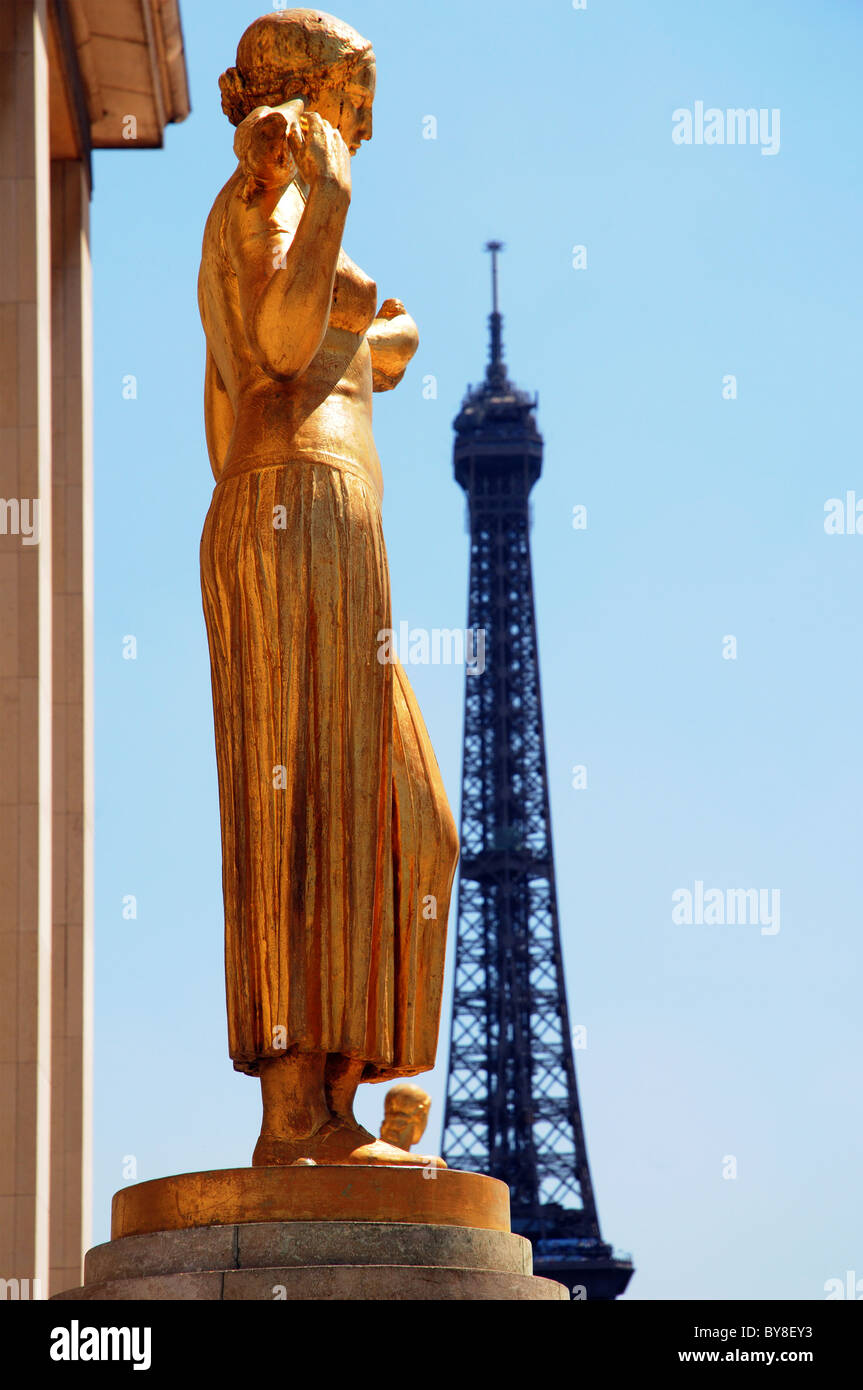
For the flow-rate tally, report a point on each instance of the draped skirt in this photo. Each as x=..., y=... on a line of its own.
x=338, y=845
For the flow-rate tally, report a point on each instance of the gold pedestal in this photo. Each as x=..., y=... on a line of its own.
x=335, y=1192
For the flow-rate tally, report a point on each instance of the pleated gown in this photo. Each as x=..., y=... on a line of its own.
x=338, y=844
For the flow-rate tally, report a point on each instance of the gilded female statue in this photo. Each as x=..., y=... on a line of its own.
x=338, y=845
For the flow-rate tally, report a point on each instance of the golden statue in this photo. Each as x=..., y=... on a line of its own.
x=338, y=845
x=406, y=1113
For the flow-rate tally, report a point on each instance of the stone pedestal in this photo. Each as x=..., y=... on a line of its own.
x=341, y=1232
x=301, y=1261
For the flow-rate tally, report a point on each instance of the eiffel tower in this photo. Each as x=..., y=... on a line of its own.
x=512, y=1106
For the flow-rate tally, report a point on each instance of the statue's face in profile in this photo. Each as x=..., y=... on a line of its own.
x=349, y=107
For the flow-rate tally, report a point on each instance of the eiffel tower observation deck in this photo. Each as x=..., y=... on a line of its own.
x=512, y=1106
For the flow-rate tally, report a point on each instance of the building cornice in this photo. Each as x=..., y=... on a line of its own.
x=131, y=62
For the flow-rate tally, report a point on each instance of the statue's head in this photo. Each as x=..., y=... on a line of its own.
x=406, y=1109
x=308, y=54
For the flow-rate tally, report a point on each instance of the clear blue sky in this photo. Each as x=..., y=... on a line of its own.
x=705, y=519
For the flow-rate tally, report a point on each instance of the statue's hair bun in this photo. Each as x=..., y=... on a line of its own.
x=288, y=48
x=233, y=90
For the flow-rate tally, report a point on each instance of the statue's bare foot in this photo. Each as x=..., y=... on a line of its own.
x=336, y=1142
x=381, y=1152
x=273, y=1152
x=332, y=1142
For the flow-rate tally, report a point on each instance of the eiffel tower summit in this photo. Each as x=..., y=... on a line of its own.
x=512, y=1107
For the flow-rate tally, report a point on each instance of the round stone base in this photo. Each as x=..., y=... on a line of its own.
x=327, y=1283
x=306, y=1261
x=287, y=1244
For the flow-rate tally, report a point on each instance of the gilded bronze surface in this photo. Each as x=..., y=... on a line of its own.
x=335, y=826
x=335, y=1192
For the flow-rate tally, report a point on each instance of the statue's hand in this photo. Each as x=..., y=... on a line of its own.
x=393, y=339
x=262, y=147
x=390, y=309
x=321, y=154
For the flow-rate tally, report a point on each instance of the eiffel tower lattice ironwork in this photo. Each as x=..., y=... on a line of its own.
x=512, y=1106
